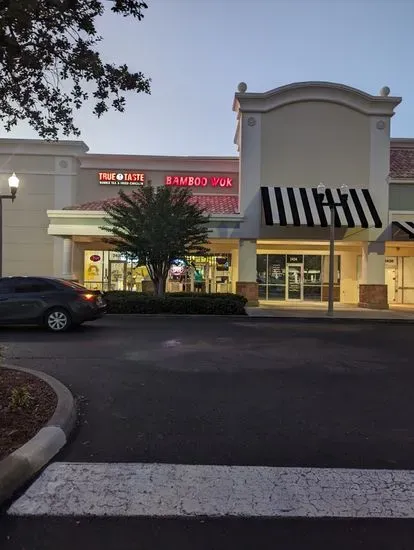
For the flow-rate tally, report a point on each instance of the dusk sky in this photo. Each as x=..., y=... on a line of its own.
x=197, y=51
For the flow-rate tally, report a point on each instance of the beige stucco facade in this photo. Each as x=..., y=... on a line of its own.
x=46, y=172
x=318, y=147
x=292, y=137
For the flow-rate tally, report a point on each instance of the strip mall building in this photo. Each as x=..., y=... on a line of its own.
x=269, y=234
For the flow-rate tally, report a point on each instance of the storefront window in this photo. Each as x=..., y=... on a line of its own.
x=276, y=276
x=337, y=269
x=307, y=279
x=210, y=273
x=117, y=275
x=277, y=269
x=261, y=277
x=111, y=270
x=408, y=280
x=312, y=278
x=261, y=267
x=325, y=278
x=93, y=269
x=399, y=278
x=276, y=292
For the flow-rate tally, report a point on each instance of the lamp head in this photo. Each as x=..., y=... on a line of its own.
x=344, y=192
x=13, y=185
x=321, y=190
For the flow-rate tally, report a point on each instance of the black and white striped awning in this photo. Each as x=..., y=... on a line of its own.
x=300, y=206
x=407, y=227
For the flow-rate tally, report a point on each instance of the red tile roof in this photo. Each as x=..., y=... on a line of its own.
x=213, y=204
x=402, y=163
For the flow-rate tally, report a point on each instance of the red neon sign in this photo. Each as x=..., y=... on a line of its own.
x=199, y=181
x=121, y=178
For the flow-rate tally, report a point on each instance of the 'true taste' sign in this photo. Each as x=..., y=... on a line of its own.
x=121, y=178
x=199, y=181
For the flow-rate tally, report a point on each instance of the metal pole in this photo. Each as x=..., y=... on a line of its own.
x=331, y=263
x=1, y=237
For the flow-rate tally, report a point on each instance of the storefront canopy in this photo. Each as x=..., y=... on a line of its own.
x=407, y=227
x=300, y=206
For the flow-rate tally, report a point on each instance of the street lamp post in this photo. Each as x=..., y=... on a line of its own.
x=13, y=186
x=330, y=201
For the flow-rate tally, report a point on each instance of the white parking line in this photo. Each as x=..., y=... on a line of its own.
x=172, y=490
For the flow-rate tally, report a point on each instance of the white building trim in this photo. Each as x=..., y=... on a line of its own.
x=316, y=91
x=39, y=147
x=159, y=163
x=89, y=223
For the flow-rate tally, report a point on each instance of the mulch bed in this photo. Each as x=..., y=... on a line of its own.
x=22, y=417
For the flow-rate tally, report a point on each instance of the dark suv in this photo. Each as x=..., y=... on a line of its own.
x=55, y=303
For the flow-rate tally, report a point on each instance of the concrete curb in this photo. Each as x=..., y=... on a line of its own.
x=332, y=320
x=177, y=315
x=17, y=468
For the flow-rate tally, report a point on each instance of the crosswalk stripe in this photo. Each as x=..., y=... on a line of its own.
x=173, y=490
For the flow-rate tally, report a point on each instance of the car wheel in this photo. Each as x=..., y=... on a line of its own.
x=57, y=320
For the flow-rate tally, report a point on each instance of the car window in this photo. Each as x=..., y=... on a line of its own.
x=33, y=286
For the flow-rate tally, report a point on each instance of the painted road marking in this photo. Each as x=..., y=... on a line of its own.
x=172, y=490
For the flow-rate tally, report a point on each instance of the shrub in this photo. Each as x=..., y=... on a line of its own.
x=20, y=398
x=203, y=304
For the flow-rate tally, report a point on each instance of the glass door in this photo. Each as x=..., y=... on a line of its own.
x=294, y=282
x=117, y=275
x=408, y=280
x=391, y=282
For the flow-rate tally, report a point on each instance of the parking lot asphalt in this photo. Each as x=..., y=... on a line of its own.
x=204, y=534
x=232, y=391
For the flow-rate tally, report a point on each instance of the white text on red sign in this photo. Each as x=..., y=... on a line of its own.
x=199, y=181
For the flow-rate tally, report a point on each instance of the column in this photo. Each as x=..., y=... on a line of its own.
x=234, y=268
x=250, y=175
x=372, y=289
x=67, y=258
x=246, y=284
x=349, y=281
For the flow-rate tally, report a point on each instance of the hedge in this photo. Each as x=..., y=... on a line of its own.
x=132, y=294
x=218, y=296
x=204, y=304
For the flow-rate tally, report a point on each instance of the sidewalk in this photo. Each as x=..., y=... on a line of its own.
x=341, y=311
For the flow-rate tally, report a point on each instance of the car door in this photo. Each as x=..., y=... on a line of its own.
x=29, y=300
x=6, y=300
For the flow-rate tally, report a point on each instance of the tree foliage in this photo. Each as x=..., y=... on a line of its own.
x=49, y=64
x=155, y=226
